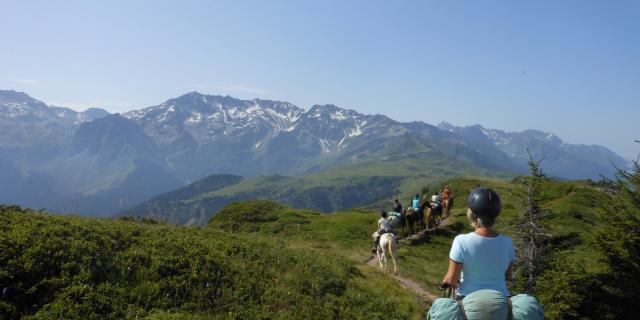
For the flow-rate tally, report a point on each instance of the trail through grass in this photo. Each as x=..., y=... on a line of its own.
x=424, y=296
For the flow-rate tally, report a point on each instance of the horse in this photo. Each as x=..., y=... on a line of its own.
x=447, y=204
x=434, y=216
x=424, y=210
x=412, y=218
x=388, y=245
x=395, y=222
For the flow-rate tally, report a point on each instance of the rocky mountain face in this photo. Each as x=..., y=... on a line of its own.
x=25, y=121
x=110, y=163
x=568, y=161
x=202, y=135
x=94, y=163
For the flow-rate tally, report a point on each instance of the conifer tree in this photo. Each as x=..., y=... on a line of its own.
x=619, y=242
x=532, y=237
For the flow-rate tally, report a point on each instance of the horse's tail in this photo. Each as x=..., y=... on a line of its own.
x=392, y=240
x=393, y=252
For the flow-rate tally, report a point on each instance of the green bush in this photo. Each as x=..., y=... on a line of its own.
x=245, y=216
x=80, y=268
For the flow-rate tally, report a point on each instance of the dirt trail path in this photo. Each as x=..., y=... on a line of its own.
x=424, y=297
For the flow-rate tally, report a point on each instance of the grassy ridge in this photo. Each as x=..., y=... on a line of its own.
x=299, y=192
x=347, y=233
x=69, y=267
x=369, y=184
x=572, y=222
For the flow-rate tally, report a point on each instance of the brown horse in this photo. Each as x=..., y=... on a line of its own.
x=411, y=218
x=424, y=210
x=433, y=216
x=447, y=204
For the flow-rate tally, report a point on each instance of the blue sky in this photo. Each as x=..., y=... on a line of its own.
x=567, y=67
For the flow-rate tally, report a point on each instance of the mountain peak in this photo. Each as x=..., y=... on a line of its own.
x=13, y=96
x=17, y=97
x=95, y=110
x=332, y=111
x=188, y=96
x=326, y=108
x=541, y=135
x=14, y=104
x=446, y=126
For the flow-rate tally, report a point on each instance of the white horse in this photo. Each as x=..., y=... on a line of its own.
x=388, y=245
x=395, y=222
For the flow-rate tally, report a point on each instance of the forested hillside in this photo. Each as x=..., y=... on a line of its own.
x=371, y=184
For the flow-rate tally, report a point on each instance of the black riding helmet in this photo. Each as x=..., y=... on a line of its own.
x=484, y=202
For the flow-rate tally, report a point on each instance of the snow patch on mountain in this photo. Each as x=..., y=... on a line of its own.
x=166, y=114
x=324, y=144
x=355, y=132
x=13, y=110
x=136, y=114
x=496, y=136
x=339, y=115
x=194, y=119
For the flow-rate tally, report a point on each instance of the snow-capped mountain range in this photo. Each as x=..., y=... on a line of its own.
x=98, y=163
x=210, y=118
x=25, y=121
x=202, y=134
x=560, y=159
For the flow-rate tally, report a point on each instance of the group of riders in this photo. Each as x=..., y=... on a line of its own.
x=427, y=212
x=480, y=262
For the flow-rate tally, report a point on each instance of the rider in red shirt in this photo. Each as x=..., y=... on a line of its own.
x=447, y=199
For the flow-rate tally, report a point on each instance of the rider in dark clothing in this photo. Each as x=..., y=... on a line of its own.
x=398, y=206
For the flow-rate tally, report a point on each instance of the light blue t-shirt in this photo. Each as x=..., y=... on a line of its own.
x=485, y=261
x=416, y=203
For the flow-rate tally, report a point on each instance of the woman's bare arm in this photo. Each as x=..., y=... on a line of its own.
x=453, y=274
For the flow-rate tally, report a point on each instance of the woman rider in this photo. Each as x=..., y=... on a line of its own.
x=415, y=202
x=481, y=259
x=384, y=226
x=447, y=198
